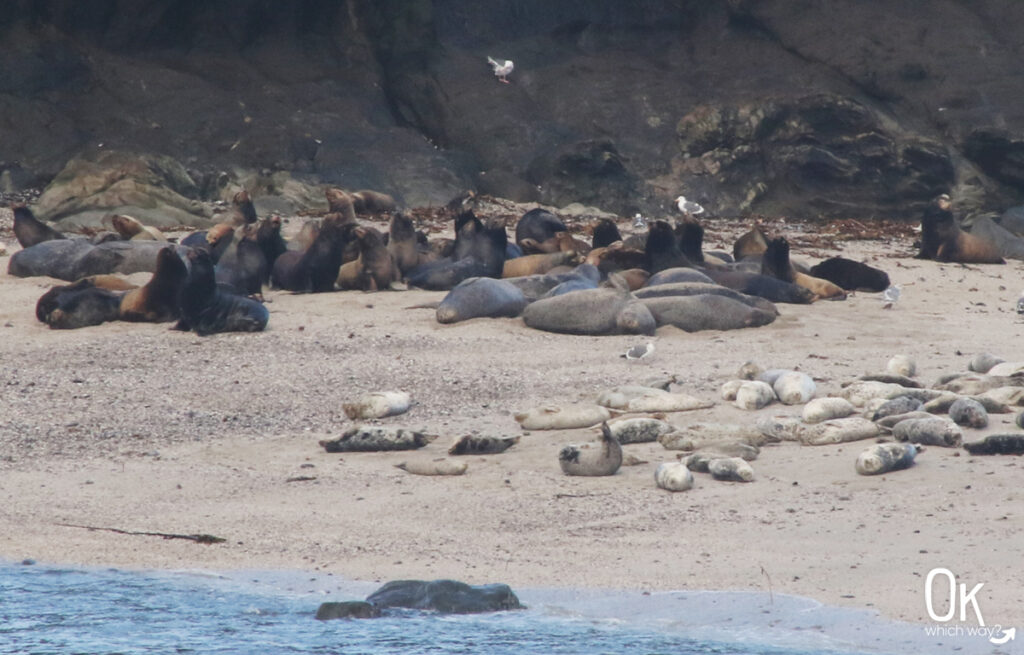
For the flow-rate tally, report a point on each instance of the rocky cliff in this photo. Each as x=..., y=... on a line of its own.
x=799, y=107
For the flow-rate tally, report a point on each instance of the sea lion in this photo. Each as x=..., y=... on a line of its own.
x=662, y=249
x=535, y=287
x=374, y=269
x=243, y=266
x=157, y=301
x=481, y=297
x=677, y=275
x=603, y=457
x=478, y=251
x=440, y=466
x=605, y=233
x=243, y=212
x=592, y=312
x=1009, y=245
x=885, y=457
x=851, y=275
x=305, y=237
x=764, y=286
x=217, y=239
x=635, y=278
x=29, y=230
x=944, y=241
x=673, y=476
x=316, y=269
x=706, y=312
x=339, y=202
x=775, y=263
x=207, y=309
x=567, y=417
x=669, y=289
x=537, y=264
x=402, y=242
x=617, y=257
x=538, y=225
x=366, y=438
x=366, y=201
x=482, y=445
x=751, y=244
x=73, y=259
x=130, y=227
x=378, y=404
x=731, y=469
x=77, y=305
x=968, y=412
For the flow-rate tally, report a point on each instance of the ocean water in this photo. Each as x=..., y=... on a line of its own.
x=48, y=609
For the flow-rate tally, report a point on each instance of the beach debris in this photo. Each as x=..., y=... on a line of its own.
x=673, y=476
x=440, y=466
x=885, y=457
x=997, y=444
x=364, y=438
x=891, y=296
x=198, y=538
x=378, y=404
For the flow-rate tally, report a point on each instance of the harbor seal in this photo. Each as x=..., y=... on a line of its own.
x=157, y=300
x=997, y=444
x=482, y=445
x=885, y=457
x=731, y=469
x=673, y=476
x=366, y=438
x=603, y=457
x=29, y=230
x=207, y=309
x=378, y=404
x=440, y=466
x=566, y=417
x=481, y=297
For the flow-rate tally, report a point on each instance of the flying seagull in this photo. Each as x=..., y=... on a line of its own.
x=688, y=206
x=639, y=352
x=502, y=68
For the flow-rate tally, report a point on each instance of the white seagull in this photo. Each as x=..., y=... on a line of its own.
x=639, y=352
x=1020, y=303
x=890, y=296
x=502, y=68
x=688, y=206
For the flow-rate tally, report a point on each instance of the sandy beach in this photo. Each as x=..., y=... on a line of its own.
x=139, y=428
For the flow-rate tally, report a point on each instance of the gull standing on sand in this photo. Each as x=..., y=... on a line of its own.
x=639, y=352
x=502, y=68
x=1020, y=303
x=890, y=296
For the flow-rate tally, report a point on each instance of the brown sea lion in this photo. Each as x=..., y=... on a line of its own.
x=111, y=282
x=339, y=202
x=372, y=202
x=403, y=243
x=944, y=241
x=157, y=300
x=374, y=269
x=635, y=277
x=243, y=212
x=131, y=228
x=751, y=244
x=616, y=257
x=775, y=263
x=934, y=214
x=29, y=230
x=537, y=264
x=77, y=305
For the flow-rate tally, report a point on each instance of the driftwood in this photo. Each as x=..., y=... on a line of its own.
x=198, y=538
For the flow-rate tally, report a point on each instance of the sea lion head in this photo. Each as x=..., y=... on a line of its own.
x=944, y=202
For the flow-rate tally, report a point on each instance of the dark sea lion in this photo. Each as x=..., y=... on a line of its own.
x=403, y=243
x=243, y=212
x=616, y=257
x=775, y=263
x=539, y=225
x=374, y=269
x=851, y=275
x=936, y=213
x=704, y=288
x=372, y=202
x=339, y=202
x=690, y=238
x=317, y=268
x=157, y=300
x=662, y=249
x=706, y=312
x=271, y=243
x=77, y=305
x=592, y=312
x=208, y=309
x=606, y=232
x=479, y=251
x=755, y=284
x=574, y=283
x=481, y=297
x=29, y=230
x=243, y=266
x=675, y=275
x=944, y=241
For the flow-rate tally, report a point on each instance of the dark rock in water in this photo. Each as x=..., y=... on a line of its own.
x=445, y=596
x=352, y=609
x=997, y=444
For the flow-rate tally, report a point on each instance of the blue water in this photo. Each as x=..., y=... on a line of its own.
x=46, y=609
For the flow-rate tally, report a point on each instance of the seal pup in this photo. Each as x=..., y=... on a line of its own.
x=157, y=300
x=885, y=457
x=378, y=404
x=207, y=309
x=603, y=457
x=365, y=438
x=29, y=230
